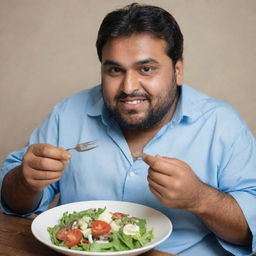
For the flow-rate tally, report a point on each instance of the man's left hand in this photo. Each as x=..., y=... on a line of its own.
x=174, y=183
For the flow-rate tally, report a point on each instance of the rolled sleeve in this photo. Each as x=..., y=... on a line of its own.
x=238, y=179
x=47, y=197
x=13, y=160
x=47, y=132
x=247, y=203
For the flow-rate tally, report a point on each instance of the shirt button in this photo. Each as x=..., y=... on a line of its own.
x=132, y=174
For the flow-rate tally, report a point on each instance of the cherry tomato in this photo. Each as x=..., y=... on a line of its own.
x=73, y=237
x=61, y=233
x=86, y=241
x=100, y=227
x=118, y=215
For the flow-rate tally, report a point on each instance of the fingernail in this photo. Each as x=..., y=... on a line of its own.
x=68, y=156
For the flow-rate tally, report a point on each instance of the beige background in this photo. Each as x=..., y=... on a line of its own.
x=47, y=52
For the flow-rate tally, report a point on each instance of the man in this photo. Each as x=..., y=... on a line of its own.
x=161, y=143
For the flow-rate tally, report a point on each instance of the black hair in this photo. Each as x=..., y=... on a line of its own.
x=137, y=18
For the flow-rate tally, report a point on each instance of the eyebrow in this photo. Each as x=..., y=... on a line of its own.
x=147, y=61
x=111, y=63
x=141, y=62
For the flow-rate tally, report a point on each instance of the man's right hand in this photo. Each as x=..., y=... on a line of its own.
x=43, y=164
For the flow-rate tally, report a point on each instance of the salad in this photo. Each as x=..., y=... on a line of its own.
x=99, y=230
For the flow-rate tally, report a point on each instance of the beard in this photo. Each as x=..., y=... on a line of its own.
x=153, y=116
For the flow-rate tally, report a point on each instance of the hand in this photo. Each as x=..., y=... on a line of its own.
x=174, y=183
x=43, y=164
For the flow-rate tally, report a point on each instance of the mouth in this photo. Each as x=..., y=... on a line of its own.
x=132, y=101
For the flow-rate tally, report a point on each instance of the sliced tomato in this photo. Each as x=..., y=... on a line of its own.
x=119, y=215
x=73, y=237
x=61, y=233
x=100, y=227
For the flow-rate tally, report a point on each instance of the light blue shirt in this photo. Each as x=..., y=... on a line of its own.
x=204, y=132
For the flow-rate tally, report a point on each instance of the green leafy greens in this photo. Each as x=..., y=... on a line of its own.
x=116, y=240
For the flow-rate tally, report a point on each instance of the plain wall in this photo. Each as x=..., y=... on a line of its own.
x=47, y=52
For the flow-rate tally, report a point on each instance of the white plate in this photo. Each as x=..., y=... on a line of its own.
x=159, y=222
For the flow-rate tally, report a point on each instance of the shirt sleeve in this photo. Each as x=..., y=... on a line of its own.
x=238, y=178
x=47, y=132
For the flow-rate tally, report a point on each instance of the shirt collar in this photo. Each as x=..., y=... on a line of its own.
x=185, y=109
x=97, y=108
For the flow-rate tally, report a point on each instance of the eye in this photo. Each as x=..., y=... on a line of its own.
x=146, y=69
x=114, y=70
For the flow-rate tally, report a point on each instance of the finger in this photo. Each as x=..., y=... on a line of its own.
x=41, y=184
x=153, y=161
x=149, y=159
x=50, y=151
x=165, y=165
x=160, y=178
x=160, y=165
x=174, y=161
x=156, y=186
x=157, y=194
x=46, y=175
x=151, y=178
x=42, y=163
x=162, y=193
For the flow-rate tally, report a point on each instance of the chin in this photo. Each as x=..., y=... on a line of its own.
x=132, y=125
x=135, y=121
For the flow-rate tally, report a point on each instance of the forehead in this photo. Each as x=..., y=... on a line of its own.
x=135, y=48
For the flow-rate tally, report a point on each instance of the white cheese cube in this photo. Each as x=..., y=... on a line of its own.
x=114, y=226
x=87, y=232
x=131, y=229
x=105, y=216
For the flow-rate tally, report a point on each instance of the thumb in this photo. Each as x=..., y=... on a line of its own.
x=149, y=159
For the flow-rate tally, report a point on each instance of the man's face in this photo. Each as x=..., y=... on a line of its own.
x=139, y=82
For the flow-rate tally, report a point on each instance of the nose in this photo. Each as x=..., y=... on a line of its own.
x=130, y=82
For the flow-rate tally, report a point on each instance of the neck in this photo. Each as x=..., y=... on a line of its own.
x=137, y=139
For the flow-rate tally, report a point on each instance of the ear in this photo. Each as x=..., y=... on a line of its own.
x=179, y=72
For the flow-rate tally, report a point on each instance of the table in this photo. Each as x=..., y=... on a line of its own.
x=16, y=239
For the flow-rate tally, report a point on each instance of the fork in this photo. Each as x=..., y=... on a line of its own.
x=85, y=146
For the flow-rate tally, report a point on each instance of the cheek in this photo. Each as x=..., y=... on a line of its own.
x=110, y=90
x=157, y=86
x=107, y=93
